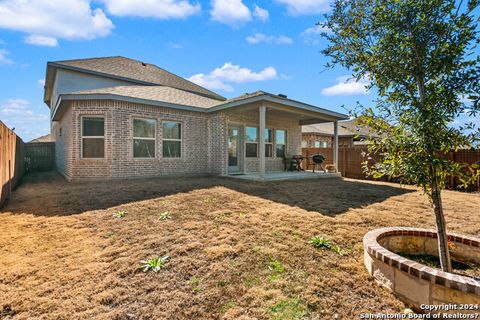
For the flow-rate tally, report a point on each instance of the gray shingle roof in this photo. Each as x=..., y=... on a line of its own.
x=345, y=128
x=156, y=93
x=45, y=138
x=135, y=70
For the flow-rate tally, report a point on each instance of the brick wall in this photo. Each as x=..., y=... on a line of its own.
x=287, y=123
x=204, y=141
x=309, y=139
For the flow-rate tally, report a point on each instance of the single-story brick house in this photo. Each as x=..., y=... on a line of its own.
x=116, y=117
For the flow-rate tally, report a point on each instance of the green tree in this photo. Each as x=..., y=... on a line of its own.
x=421, y=57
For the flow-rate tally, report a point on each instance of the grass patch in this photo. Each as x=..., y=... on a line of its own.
x=320, y=242
x=291, y=309
x=227, y=306
x=119, y=214
x=276, y=268
x=154, y=264
x=195, y=282
x=164, y=216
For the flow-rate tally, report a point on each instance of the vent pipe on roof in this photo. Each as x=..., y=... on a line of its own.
x=282, y=95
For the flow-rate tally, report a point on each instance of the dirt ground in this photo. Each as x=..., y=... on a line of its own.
x=238, y=249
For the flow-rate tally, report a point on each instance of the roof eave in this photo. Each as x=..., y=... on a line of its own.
x=110, y=96
x=287, y=102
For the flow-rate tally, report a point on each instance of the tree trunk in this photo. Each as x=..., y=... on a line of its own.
x=443, y=252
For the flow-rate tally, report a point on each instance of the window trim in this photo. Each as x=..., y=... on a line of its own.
x=91, y=137
x=251, y=142
x=144, y=138
x=168, y=139
x=273, y=144
x=284, y=144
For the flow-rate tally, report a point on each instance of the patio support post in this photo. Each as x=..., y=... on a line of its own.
x=335, y=145
x=261, y=137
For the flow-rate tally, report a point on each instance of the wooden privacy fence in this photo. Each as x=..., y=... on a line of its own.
x=39, y=156
x=11, y=161
x=350, y=162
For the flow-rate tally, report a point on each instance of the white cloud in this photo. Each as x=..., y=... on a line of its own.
x=230, y=12
x=222, y=78
x=41, y=41
x=347, y=86
x=260, y=37
x=260, y=13
x=66, y=19
x=3, y=57
x=312, y=35
x=29, y=122
x=160, y=9
x=306, y=7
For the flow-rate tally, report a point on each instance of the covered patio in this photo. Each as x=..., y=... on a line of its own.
x=264, y=111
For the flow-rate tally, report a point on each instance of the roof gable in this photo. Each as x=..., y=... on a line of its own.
x=134, y=71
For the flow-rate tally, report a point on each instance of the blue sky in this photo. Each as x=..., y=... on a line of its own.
x=229, y=46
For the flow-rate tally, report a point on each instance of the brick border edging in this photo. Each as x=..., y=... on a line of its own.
x=415, y=269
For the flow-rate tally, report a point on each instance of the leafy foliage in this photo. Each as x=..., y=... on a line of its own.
x=119, y=214
x=421, y=56
x=320, y=242
x=164, y=216
x=154, y=264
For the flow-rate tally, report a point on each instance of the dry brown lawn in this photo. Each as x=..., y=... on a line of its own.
x=64, y=256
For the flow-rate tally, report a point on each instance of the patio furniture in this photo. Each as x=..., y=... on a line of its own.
x=314, y=161
x=296, y=163
x=293, y=163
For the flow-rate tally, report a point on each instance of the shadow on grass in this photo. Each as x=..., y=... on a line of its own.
x=49, y=194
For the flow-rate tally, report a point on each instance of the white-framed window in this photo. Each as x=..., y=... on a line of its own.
x=281, y=143
x=268, y=143
x=172, y=139
x=144, y=138
x=324, y=144
x=93, y=137
x=251, y=142
x=304, y=144
x=317, y=144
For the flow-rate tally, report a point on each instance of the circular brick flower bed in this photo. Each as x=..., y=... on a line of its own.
x=415, y=283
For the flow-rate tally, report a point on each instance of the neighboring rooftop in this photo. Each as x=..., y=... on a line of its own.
x=154, y=93
x=345, y=128
x=130, y=69
x=45, y=138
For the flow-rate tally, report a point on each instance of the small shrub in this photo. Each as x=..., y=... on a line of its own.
x=195, y=283
x=154, y=264
x=164, y=216
x=119, y=214
x=320, y=242
x=242, y=215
